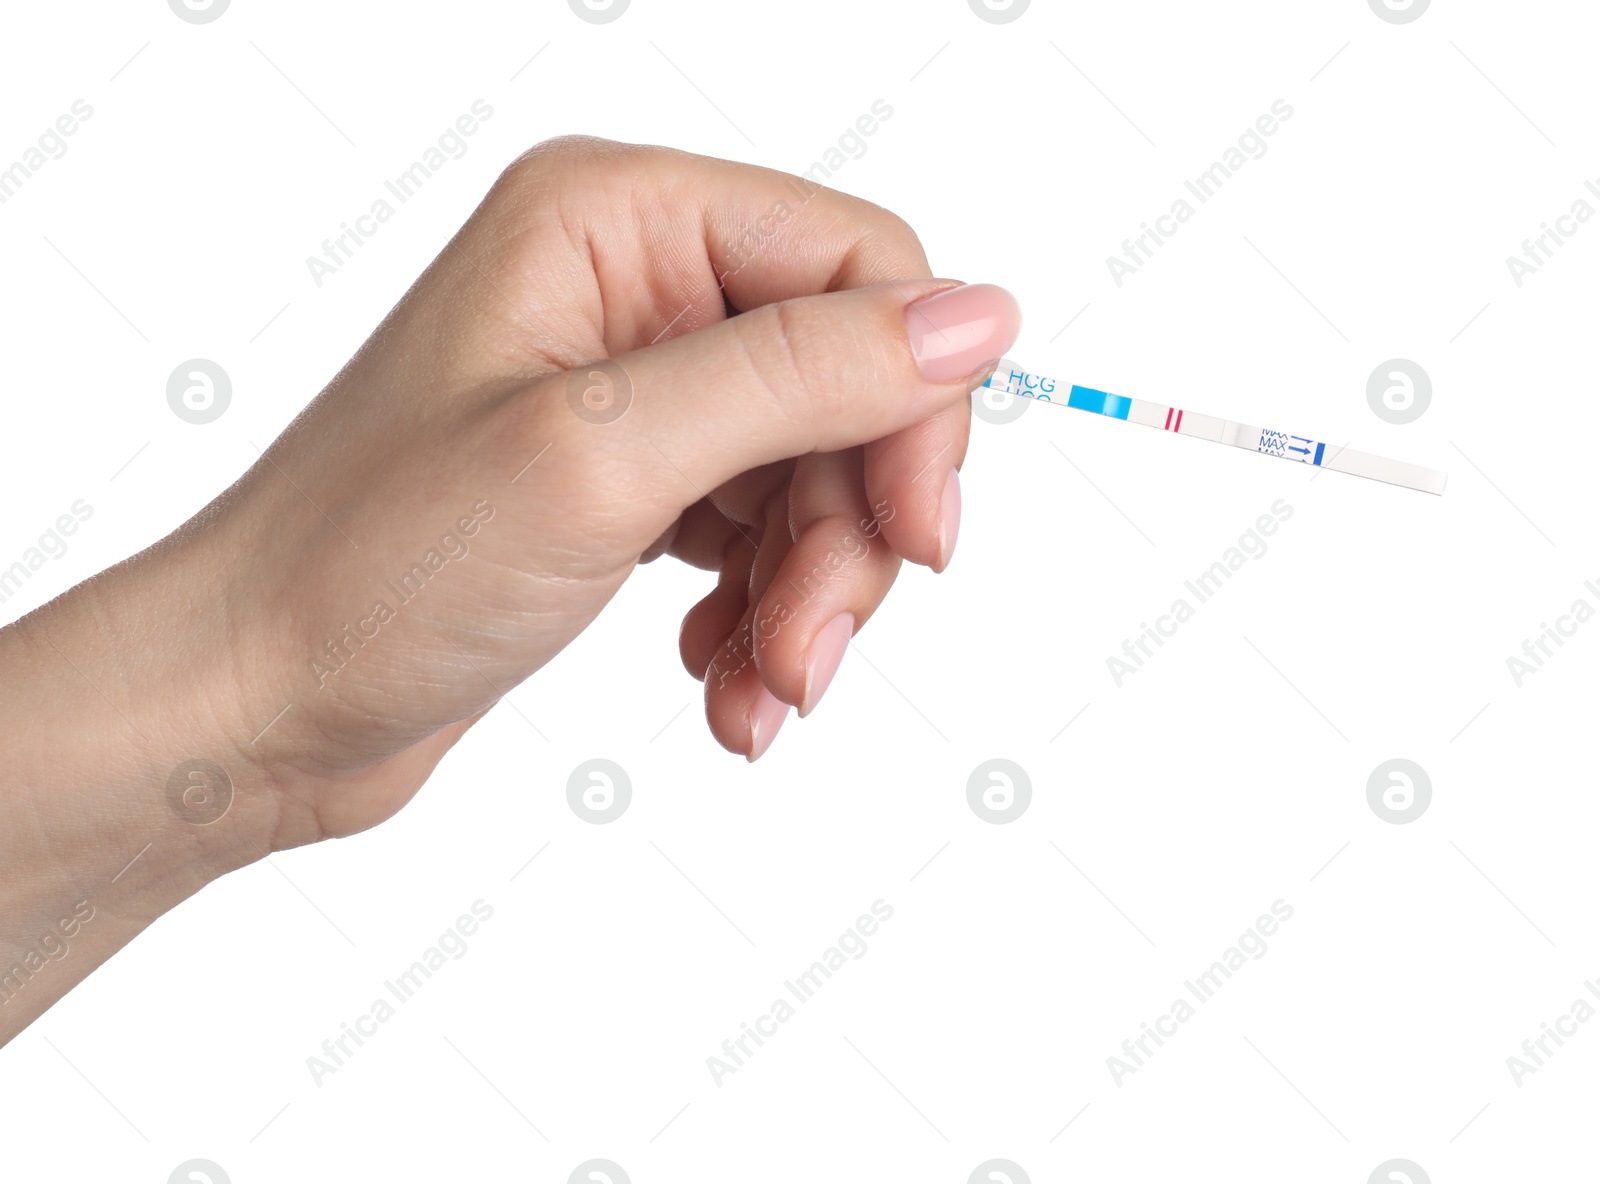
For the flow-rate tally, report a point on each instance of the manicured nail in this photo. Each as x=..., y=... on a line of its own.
x=766, y=717
x=956, y=331
x=949, y=518
x=827, y=651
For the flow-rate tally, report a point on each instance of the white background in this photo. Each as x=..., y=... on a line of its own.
x=1171, y=812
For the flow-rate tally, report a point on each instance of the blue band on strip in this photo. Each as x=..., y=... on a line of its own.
x=1086, y=398
x=1317, y=459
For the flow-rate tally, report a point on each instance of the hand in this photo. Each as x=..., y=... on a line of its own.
x=802, y=447
x=625, y=352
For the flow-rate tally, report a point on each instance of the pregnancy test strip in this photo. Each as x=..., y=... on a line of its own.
x=1304, y=449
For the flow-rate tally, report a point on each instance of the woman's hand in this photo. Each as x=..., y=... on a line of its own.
x=802, y=448
x=625, y=352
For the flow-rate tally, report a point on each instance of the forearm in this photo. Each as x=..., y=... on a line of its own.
x=108, y=690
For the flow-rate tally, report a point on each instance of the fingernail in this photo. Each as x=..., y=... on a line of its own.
x=766, y=717
x=949, y=518
x=956, y=331
x=827, y=651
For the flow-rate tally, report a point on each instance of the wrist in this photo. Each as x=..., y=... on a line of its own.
x=128, y=787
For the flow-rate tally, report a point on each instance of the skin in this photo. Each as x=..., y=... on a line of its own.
x=748, y=448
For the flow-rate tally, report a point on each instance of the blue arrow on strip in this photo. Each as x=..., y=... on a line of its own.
x=1302, y=451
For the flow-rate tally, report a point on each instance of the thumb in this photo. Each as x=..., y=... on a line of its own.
x=813, y=374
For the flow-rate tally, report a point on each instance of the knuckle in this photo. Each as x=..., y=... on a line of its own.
x=897, y=230
x=843, y=543
x=793, y=351
x=558, y=154
x=553, y=164
x=889, y=247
